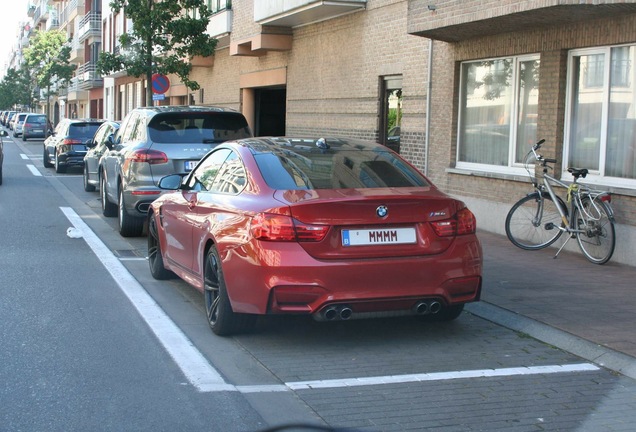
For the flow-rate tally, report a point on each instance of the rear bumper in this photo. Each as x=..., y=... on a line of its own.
x=282, y=278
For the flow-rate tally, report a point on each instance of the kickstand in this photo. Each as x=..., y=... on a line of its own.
x=562, y=246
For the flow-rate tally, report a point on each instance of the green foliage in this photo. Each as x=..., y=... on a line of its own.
x=47, y=57
x=16, y=88
x=162, y=40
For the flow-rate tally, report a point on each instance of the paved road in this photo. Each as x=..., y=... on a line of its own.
x=393, y=374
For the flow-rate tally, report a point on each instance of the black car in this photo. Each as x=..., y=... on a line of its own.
x=101, y=142
x=67, y=146
x=3, y=133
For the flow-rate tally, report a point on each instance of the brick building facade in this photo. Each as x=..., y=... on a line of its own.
x=467, y=85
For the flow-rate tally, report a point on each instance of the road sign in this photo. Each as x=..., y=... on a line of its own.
x=158, y=97
x=160, y=83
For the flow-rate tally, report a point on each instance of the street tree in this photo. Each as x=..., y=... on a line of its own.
x=165, y=36
x=47, y=56
x=16, y=88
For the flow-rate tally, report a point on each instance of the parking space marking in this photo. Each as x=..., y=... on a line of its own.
x=441, y=376
x=36, y=172
x=188, y=358
x=23, y=156
x=205, y=378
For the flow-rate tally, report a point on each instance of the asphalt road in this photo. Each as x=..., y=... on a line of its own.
x=84, y=346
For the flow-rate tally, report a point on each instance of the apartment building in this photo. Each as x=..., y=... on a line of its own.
x=460, y=88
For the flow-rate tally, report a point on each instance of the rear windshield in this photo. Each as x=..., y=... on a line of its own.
x=198, y=127
x=36, y=119
x=82, y=130
x=336, y=169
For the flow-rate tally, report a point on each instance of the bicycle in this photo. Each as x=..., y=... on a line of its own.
x=538, y=220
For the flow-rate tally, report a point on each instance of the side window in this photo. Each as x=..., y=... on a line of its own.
x=128, y=128
x=203, y=176
x=99, y=136
x=231, y=177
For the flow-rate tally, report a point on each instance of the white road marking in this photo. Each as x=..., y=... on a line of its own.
x=189, y=359
x=23, y=156
x=441, y=376
x=36, y=172
x=205, y=378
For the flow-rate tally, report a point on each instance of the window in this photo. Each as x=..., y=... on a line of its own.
x=391, y=111
x=601, y=115
x=498, y=112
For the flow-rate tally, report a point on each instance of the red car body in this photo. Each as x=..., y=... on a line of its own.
x=295, y=250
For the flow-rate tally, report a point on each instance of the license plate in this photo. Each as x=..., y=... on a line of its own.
x=189, y=165
x=384, y=236
x=37, y=130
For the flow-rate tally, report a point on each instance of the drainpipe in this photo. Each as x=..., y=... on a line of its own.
x=428, y=104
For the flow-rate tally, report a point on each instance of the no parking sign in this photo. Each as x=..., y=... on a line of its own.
x=160, y=83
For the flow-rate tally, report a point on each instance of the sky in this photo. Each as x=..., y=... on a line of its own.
x=11, y=13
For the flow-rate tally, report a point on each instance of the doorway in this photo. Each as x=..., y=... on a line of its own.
x=270, y=109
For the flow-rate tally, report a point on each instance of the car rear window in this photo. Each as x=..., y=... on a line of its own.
x=82, y=129
x=198, y=127
x=36, y=119
x=288, y=169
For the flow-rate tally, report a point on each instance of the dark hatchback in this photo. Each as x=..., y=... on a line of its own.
x=67, y=146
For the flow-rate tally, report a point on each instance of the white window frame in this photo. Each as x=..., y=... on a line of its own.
x=594, y=177
x=512, y=168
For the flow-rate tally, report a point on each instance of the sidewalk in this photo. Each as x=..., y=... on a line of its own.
x=584, y=308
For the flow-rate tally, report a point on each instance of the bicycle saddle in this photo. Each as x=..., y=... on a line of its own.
x=578, y=172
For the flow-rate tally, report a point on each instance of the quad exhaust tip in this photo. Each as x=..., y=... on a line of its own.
x=426, y=307
x=341, y=312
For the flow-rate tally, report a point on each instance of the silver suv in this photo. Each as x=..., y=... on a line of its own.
x=153, y=142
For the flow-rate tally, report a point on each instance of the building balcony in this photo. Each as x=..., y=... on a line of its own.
x=77, y=51
x=72, y=10
x=75, y=92
x=295, y=13
x=31, y=9
x=90, y=26
x=220, y=27
x=52, y=22
x=453, y=21
x=41, y=13
x=87, y=77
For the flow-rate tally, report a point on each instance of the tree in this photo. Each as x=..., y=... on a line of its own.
x=48, y=59
x=16, y=88
x=163, y=39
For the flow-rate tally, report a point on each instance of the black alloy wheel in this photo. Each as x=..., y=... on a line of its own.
x=155, y=258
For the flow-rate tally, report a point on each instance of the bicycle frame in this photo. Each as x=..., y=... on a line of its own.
x=574, y=197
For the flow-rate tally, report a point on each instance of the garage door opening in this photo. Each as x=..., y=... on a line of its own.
x=270, y=109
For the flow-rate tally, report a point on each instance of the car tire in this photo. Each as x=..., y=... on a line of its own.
x=108, y=208
x=0, y=175
x=129, y=226
x=24, y=138
x=222, y=319
x=155, y=257
x=46, y=159
x=87, y=186
x=60, y=169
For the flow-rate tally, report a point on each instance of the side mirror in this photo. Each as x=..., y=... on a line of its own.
x=90, y=143
x=171, y=182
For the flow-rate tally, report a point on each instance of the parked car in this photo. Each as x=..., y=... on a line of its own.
x=333, y=228
x=10, y=117
x=3, y=134
x=101, y=142
x=35, y=126
x=153, y=142
x=18, y=123
x=67, y=146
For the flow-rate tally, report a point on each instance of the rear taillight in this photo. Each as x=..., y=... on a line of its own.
x=273, y=227
x=152, y=157
x=463, y=223
x=69, y=141
x=606, y=198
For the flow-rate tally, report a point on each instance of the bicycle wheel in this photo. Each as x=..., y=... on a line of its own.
x=533, y=222
x=598, y=239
